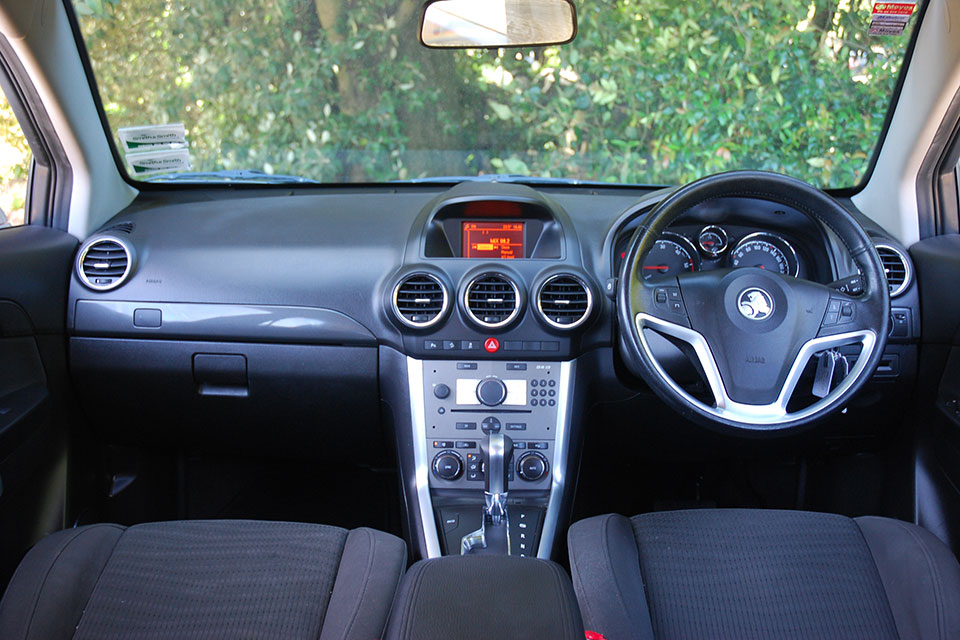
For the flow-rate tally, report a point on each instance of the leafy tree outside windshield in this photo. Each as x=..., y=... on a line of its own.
x=648, y=92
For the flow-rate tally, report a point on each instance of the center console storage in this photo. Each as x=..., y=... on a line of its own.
x=482, y=597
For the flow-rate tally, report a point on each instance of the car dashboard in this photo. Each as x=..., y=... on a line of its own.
x=347, y=322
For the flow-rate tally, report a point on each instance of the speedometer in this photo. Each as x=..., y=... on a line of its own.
x=671, y=254
x=765, y=251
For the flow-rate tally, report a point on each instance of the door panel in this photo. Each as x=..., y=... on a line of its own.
x=937, y=490
x=35, y=265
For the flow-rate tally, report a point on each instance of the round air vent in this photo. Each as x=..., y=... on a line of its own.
x=896, y=267
x=564, y=301
x=420, y=300
x=104, y=263
x=492, y=300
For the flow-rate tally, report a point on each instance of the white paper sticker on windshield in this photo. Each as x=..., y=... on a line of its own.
x=148, y=138
x=890, y=18
x=164, y=161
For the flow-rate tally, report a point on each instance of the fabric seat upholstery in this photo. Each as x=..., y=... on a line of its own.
x=204, y=579
x=740, y=573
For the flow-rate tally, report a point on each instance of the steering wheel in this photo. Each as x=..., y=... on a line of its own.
x=751, y=332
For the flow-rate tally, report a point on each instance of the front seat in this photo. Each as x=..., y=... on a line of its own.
x=741, y=574
x=204, y=579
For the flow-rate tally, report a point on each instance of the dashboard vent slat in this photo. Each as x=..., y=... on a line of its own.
x=896, y=268
x=492, y=300
x=104, y=264
x=564, y=301
x=420, y=300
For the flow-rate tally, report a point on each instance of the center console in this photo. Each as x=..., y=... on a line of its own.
x=456, y=405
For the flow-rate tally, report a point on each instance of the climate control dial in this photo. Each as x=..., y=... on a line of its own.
x=532, y=466
x=448, y=465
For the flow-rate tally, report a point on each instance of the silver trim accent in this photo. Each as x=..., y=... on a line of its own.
x=720, y=231
x=751, y=236
x=907, y=269
x=772, y=414
x=561, y=448
x=92, y=242
x=443, y=307
x=420, y=456
x=502, y=323
x=586, y=314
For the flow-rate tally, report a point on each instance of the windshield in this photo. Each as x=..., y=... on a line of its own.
x=648, y=92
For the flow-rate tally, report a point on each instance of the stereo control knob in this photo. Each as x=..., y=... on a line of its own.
x=532, y=466
x=442, y=391
x=491, y=391
x=448, y=465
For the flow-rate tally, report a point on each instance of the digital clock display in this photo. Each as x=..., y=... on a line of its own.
x=496, y=240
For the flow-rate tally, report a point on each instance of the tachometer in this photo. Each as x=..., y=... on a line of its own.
x=670, y=255
x=766, y=251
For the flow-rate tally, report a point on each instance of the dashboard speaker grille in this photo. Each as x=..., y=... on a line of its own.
x=564, y=301
x=492, y=300
x=895, y=267
x=420, y=300
x=104, y=264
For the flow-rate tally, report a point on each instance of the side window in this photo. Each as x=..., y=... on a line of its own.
x=14, y=168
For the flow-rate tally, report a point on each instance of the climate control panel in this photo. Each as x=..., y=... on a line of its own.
x=465, y=401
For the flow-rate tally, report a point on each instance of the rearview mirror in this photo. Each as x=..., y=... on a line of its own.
x=467, y=24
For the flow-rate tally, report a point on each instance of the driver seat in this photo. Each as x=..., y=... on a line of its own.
x=743, y=573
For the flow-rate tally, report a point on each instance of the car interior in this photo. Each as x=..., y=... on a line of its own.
x=270, y=378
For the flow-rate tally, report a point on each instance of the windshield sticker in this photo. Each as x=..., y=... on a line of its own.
x=153, y=137
x=161, y=161
x=890, y=18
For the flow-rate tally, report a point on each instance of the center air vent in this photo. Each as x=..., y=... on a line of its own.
x=492, y=300
x=420, y=300
x=104, y=263
x=564, y=301
x=896, y=267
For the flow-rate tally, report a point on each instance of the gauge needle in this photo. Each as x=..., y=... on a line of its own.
x=658, y=267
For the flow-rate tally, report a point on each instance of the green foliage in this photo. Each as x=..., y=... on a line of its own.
x=649, y=92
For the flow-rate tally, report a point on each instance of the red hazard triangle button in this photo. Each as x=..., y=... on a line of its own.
x=492, y=345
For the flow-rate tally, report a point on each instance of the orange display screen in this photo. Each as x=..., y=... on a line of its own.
x=497, y=240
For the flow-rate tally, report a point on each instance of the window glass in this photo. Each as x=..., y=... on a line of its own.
x=14, y=168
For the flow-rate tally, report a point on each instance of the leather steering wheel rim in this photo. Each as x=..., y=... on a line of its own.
x=703, y=307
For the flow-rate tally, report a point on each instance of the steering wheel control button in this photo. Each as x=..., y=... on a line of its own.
x=466, y=426
x=838, y=312
x=448, y=465
x=755, y=303
x=669, y=299
x=532, y=466
x=491, y=345
x=441, y=391
x=491, y=392
x=490, y=425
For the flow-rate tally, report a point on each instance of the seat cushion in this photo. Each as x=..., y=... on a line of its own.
x=763, y=574
x=204, y=579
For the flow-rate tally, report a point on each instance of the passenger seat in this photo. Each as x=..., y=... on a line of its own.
x=205, y=579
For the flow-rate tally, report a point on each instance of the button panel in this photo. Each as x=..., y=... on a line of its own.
x=528, y=414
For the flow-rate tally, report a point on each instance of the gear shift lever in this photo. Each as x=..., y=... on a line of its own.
x=497, y=453
x=493, y=536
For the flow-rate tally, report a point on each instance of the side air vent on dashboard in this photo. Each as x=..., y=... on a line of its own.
x=420, y=300
x=896, y=266
x=104, y=263
x=492, y=300
x=564, y=301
